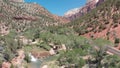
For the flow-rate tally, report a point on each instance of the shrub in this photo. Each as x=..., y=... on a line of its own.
x=12, y=66
x=27, y=58
x=118, y=5
x=117, y=41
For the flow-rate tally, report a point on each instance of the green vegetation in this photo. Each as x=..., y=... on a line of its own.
x=117, y=41
x=9, y=45
x=27, y=58
x=12, y=66
x=102, y=42
x=72, y=57
x=112, y=61
x=98, y=17
x=46, y=33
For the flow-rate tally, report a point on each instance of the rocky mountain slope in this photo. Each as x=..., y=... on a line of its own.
x=21, y=16
x=20, y=23
x=101, y=22
x=77, y=12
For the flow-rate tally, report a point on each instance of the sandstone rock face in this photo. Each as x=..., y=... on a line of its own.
x=72, y=12
x=52, y=52
x=17, y=0
x=77, y=12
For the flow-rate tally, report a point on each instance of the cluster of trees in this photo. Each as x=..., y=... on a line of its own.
x=101, y=59
x=72, y=58
x=9, y=46
x=97, y=58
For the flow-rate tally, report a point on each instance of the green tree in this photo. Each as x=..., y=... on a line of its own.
x=116, y=42
x=37, y=34
x=111, y=61
x=97, y=57
x=27, y=58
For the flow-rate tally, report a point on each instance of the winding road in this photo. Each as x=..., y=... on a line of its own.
x=113, y=50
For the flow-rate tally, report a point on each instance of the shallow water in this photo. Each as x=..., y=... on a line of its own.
x=33, y=59
x=36, y=64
